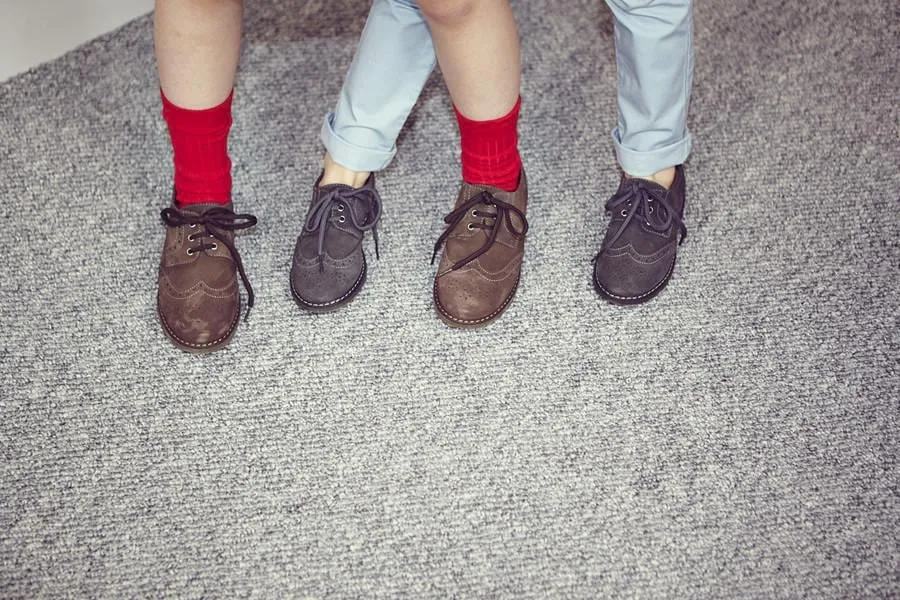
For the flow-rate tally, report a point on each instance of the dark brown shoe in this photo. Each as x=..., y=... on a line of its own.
x=637, y=257
x=198, y=301
x=329, y=265
x=485, y=241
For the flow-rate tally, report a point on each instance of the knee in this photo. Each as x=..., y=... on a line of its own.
x=448, y=13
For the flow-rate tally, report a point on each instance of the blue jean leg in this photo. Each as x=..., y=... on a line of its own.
x=654, y=70
x=392, y=64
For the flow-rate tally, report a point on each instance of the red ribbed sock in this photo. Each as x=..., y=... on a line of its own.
x=200, y=143
x=490, y=151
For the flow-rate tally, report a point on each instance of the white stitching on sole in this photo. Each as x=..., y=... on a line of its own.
x=645, y=294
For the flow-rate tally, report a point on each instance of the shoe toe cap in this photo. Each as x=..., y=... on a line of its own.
x=467, y=299
x=200, y=320
x=624, y=279
x=324, y=287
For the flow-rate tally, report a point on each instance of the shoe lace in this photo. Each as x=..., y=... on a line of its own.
x=213, y=224
x=321, y=213
x=489, y=221
x=636, y=200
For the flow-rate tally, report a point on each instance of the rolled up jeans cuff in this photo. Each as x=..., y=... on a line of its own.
x=353, y=156
x=644, y=164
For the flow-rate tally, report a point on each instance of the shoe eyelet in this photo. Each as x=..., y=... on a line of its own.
x=624, y=213
x=214, y=246
x=190, y=238
x=469, y=227
x=649, y=210
x=190, y=252
x=193, y=226
x=475, y=212
x=340, y=208
x=341, y=219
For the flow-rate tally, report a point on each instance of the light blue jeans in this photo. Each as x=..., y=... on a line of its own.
x=654, y=66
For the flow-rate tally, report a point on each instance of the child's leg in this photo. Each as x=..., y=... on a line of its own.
x=390, y=68
x=477, y=46
x=654, y=65
x=393, y=62
x=197, y=47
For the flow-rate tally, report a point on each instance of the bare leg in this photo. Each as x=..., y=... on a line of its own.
x=664, y=178
x=477, y=44
x=197, y=48
x=332, y=172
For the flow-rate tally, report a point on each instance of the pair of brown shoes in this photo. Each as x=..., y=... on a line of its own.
x=199, y=303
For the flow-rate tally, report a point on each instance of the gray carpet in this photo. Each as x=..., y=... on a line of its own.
x=735, y=438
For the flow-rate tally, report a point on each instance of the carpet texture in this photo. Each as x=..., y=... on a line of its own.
x=737, y=437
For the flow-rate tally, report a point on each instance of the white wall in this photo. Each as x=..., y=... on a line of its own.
x=35, y=31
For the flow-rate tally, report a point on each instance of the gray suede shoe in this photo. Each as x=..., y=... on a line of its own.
x=638, y=254
x=329, y=266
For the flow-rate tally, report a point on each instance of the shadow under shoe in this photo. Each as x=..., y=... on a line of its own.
x=329, y=265
x=637, y=257
x=484, y=244
x=198, y=301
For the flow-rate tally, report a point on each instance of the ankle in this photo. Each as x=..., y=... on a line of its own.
x=665, y=177
x=490, y=150
x=200, y=144
x=333, y=173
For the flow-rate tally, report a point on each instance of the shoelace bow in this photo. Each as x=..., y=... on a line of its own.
x=505, y=211
x=321, y=213
x=213, y=224
x=636, y=200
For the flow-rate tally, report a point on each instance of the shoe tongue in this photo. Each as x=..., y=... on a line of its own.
x=334, y=187
x=343, y=192
x=345, y=195
x=343, y=187
x=202, y=207
x=470, y=190
x=649, y=183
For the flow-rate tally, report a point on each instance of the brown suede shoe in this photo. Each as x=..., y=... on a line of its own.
x=485, y=241
x=198, y=300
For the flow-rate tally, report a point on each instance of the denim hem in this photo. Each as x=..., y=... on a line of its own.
x=353, y=156
x=644, y=164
